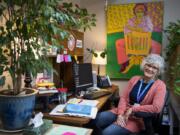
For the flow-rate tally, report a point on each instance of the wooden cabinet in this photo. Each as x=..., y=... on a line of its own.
x=64, y=69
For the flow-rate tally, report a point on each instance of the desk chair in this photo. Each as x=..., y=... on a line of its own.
x=153, y=122
x=137, y=45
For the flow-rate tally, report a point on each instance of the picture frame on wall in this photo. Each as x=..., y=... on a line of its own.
x=133, y=31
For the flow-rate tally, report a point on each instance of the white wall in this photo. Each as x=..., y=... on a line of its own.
x=96, y=38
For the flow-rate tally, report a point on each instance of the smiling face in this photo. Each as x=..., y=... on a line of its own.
x=151, y=71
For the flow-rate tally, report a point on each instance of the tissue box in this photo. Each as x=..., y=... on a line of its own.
x=39, y=130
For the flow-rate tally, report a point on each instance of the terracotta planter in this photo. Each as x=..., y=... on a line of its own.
x=16, y=111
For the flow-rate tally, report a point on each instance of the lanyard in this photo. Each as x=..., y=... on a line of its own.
x=139, y=95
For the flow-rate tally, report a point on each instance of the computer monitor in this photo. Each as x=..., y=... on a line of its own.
x=83, y=78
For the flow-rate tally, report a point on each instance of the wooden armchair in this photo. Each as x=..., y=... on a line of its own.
x=137, y=45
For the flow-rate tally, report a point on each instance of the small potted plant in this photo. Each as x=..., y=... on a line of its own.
x=28, y=28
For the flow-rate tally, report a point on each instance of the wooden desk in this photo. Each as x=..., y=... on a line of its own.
x=45, y=98
x=80, y=121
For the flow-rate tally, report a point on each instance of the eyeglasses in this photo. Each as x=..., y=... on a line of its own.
x=152, y=66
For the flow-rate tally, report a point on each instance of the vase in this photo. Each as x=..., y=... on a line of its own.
x=16, y=111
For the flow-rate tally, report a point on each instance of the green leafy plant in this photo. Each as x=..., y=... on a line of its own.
x=173, y=34
x=29, y=27
x=175, y=72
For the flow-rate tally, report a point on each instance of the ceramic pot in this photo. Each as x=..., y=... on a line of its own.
x=16, y=111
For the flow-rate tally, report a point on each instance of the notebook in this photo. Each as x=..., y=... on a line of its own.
x=78, y=108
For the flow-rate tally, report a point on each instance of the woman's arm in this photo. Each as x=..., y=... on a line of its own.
x=148, y=26
x=124, y=98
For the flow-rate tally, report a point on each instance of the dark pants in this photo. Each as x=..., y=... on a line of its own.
x=104, y=125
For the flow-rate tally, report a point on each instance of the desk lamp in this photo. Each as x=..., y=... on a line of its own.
x=99, y=59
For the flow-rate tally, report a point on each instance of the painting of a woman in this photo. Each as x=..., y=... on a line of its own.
x=141, y=22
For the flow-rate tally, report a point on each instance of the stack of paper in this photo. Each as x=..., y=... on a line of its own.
x=46, y=87
x=83, y=102
x=44, y=91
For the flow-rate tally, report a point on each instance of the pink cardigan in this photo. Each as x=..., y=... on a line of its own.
x=153, y=103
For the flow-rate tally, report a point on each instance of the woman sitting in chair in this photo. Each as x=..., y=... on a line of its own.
x=144, y=94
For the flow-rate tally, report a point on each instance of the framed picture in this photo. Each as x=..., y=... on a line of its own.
x=133, y=31
x=79, y=43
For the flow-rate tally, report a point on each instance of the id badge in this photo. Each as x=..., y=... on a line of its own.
x=136, y=104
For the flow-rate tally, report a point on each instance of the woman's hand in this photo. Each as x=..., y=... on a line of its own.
x=121, y=121
x=128, y=113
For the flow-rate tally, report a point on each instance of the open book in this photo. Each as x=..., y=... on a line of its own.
x=77, y=109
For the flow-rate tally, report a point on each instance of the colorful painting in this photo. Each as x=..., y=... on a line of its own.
x=133, y=31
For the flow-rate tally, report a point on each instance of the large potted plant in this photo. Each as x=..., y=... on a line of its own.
x=29, y=27
x=173, y=55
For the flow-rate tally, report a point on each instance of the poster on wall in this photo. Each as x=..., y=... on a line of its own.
x=133, y=31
